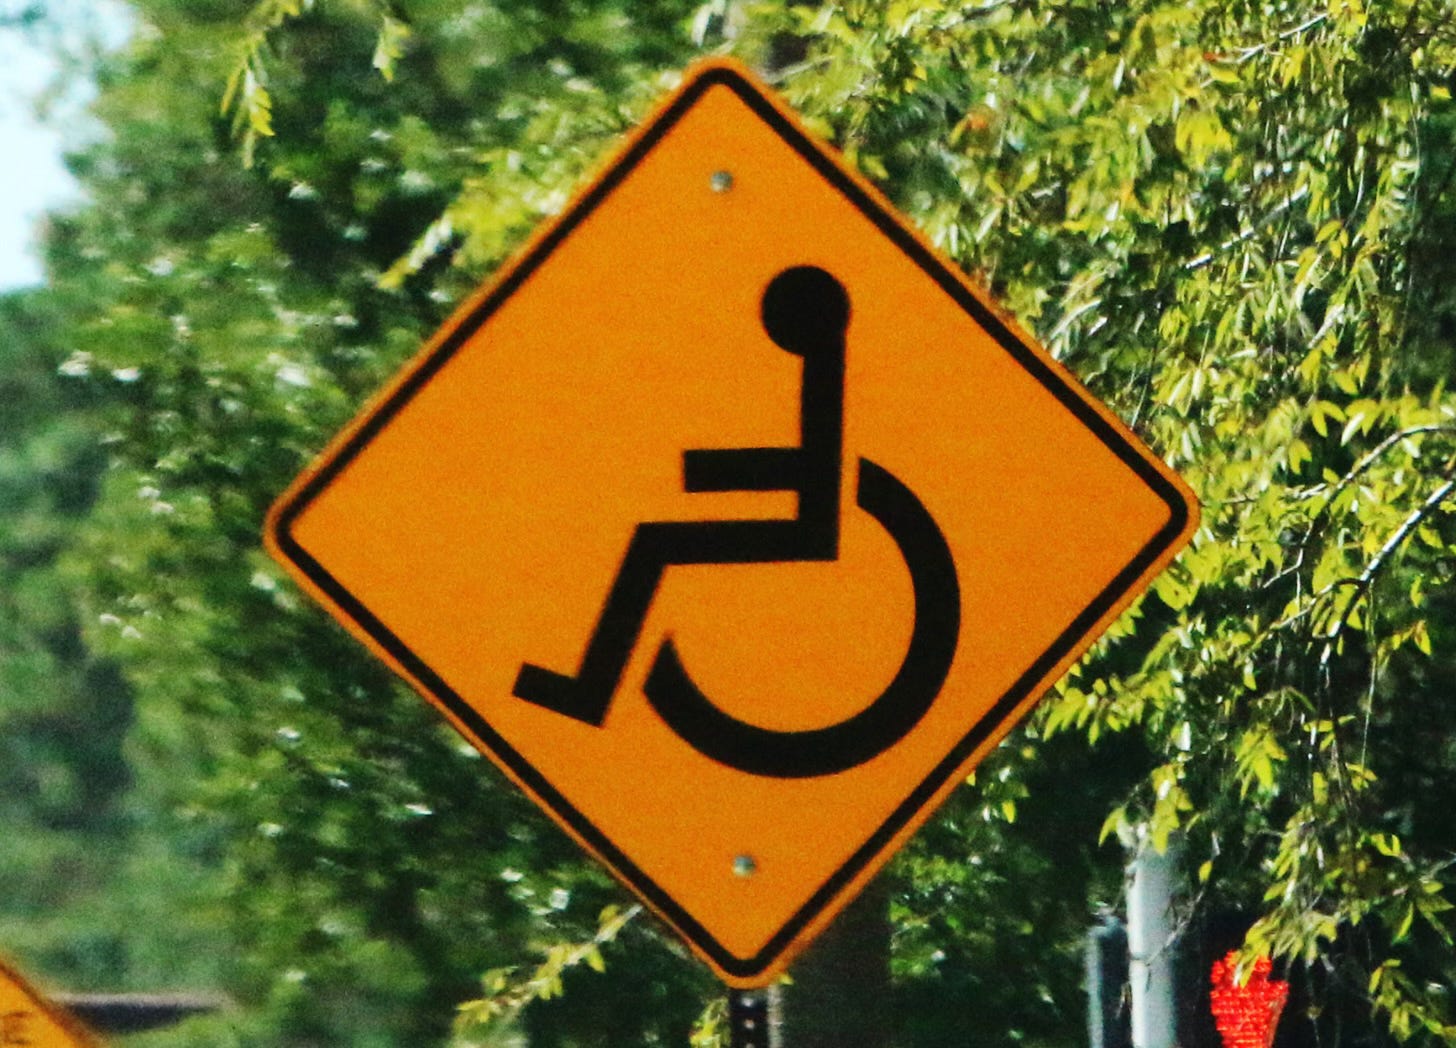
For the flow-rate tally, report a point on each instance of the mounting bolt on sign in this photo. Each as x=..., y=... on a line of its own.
x=732, y=523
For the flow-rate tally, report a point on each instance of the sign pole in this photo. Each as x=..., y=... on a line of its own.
x=753, y=1020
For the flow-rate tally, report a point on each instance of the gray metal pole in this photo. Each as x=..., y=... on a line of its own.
x=753, y=1019
x=1151, y=935
x=1107, y=1016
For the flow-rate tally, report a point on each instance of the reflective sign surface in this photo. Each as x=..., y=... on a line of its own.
x=732, y=524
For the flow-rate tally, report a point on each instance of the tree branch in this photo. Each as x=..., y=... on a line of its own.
x=1411, y=522
x=1279, y=209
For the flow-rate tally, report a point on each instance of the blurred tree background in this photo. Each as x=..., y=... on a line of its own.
x=1231, y=219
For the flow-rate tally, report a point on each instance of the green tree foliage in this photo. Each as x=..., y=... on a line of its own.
x=65, y=715
x=1229, y=219
x=84, y=859
x=1222, y=217
x=233, y=318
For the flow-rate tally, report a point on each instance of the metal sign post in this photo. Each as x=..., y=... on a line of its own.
x=753, y=1020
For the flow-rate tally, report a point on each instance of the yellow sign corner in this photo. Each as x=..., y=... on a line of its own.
x=27, y=1018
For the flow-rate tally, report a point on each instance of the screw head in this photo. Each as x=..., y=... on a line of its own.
x=744, y=866
x=721, y=181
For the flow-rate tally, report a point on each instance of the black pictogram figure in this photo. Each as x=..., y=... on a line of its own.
x=805, y=311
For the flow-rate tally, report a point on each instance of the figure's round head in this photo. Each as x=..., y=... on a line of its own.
x=805, y=310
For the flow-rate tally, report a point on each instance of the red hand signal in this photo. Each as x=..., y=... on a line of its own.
x=1246, y=1015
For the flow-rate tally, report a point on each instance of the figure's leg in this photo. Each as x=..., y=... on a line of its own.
x=586, y=695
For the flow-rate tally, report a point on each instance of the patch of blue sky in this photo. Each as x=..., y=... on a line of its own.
x=41, y=115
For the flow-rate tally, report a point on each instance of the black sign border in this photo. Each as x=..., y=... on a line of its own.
x=719, y=75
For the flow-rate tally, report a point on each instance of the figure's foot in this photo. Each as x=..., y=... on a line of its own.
x=563, y=694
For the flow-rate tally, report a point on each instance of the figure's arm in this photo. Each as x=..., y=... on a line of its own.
x=744, y=469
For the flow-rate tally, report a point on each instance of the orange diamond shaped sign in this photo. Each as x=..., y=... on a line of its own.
x=732, y=523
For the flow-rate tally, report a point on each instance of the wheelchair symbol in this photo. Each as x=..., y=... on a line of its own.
x=805, y=311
